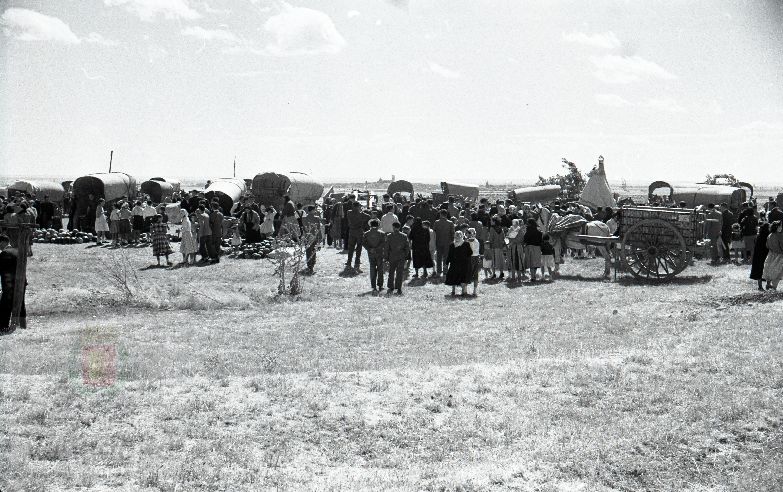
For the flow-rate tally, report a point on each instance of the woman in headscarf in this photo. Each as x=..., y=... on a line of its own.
x=516, y=251
x=459, y=272
x=760, y=252
x=187, y=246
x=532, y=240
x=773, y=265
x=250, y=224
x=420, y=247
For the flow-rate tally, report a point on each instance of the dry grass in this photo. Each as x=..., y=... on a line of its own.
x=220, y=385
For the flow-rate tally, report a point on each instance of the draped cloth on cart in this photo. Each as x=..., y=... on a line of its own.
x=597, y=192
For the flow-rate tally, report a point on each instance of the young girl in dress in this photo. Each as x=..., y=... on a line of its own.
x=487, y=261
x=236, y=239
x=160, y=239
x=101, y=225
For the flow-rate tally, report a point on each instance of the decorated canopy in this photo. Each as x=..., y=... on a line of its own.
x=597, y=192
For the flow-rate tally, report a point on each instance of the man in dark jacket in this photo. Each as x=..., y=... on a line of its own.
x=750, y=229
x=712, y=230
x=8, y=259
x=357, y=224
x=374, y=242
x=216, y=227
x=396, y=251
x=444, y=236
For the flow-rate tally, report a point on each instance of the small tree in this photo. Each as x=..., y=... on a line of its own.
x=290, y=252
x=572, y=183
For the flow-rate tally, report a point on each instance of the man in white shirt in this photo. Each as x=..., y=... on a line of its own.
x=387, y=220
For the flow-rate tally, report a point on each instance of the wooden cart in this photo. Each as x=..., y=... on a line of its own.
x=654, y=243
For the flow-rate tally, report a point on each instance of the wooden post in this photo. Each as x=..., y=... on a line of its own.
x=23, y=243
x=111, y=157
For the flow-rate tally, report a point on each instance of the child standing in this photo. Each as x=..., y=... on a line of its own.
x=547, y=257
x=160, y=239
x=236, y=240
x=487, y=262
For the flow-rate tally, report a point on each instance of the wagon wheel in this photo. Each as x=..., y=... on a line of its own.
x=654, y=250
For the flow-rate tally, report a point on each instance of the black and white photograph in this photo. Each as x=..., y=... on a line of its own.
x=404, y=245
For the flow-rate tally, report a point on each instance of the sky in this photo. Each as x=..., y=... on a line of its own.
x=471, y=91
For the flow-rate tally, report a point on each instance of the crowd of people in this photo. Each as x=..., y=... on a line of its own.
x=402, y=237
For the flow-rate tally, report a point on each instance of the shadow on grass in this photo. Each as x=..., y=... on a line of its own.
x=155, y=267
x=757, y=297
x=687, y=280
x=349, y=273
x=459, y=297
x=580, y=278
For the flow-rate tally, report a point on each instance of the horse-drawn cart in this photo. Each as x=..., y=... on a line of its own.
x=654, y=243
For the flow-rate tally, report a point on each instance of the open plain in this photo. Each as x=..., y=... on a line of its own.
x=202, y=378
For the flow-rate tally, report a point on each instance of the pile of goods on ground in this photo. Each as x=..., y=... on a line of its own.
x=254, y=251
x=62, y=236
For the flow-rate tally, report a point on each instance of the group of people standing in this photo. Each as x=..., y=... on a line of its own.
x=751, y=236
x=451, y=239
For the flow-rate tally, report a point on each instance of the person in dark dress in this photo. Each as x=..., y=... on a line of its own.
x=45, y=212
x=459, y=270
x=420, y=247
x=759, y=255
x=8, y=259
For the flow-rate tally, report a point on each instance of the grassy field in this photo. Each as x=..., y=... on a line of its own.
x=213, y=383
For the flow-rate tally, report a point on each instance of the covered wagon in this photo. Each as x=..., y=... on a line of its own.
x=228, y=191
x=158, y=191
x=400, y=186
x=269, y=188
x=39, y=189
x=704, y=194
x=176, y=185
x=466, y=191
x=109, y=186
x=532, y=194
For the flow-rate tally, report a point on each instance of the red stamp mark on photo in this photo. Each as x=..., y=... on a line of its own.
x=99, y=365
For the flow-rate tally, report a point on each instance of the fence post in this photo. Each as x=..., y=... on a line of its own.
x=23, y=245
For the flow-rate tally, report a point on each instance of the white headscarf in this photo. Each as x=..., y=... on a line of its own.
x=459, y=238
